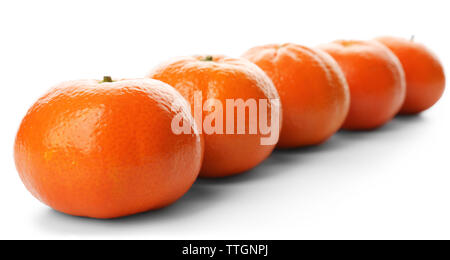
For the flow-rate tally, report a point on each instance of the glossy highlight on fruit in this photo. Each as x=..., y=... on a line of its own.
x=375, y=78
x=220, y=78
x=425, y=78
x=105, y=149
x=313, y=91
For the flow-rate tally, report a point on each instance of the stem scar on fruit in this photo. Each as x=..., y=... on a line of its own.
x=107, y=79
x=207, y=58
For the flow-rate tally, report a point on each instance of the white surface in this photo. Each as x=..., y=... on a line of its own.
x=389, y=183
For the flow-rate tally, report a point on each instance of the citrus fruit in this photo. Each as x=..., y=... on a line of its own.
x=425, y=79
x=105, y=149
x=312, y=89
x=218, y=79
x=375, y=78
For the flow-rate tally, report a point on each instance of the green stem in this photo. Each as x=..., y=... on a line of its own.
x=107, y=79
x=208, y=58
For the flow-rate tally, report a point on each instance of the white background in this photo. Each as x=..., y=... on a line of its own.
x=389, y=183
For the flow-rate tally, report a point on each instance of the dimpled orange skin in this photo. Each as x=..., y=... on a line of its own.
x=425, y=79
x=376, y=81
x=106, y=150
x=222, y=78
x=312, y=88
